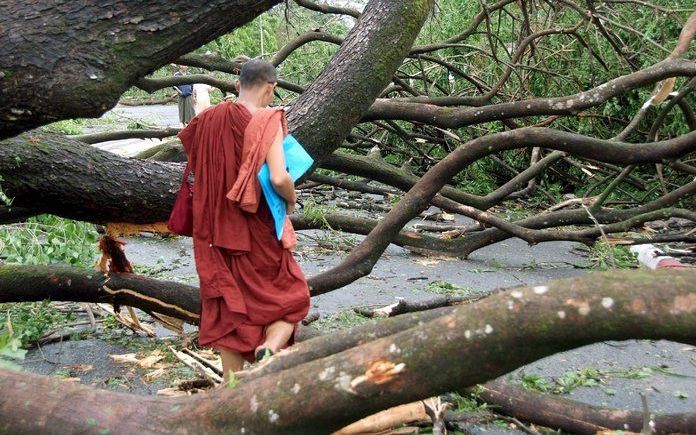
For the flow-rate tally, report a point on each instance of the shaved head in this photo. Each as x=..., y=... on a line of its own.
x=257, y=72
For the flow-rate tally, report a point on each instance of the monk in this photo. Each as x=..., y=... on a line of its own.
x=253, y=292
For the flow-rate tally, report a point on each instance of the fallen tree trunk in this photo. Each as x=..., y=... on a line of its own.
x=59, y=176
x=104, y=136
x=49, y=173
x=20, y=283
x=489, y=338
x=54, y=174
x=68, y=60
x=575, y=417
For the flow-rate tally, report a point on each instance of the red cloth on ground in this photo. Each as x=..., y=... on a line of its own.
x=247, y=279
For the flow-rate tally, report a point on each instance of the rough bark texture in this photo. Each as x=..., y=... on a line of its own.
x=574, y=417
x=318, y=119
x=363, y=66
x=325, y=394
x=64, y=283
x=69, y=59
x=55, y=174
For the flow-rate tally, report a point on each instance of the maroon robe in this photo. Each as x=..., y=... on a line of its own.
x=247, y=279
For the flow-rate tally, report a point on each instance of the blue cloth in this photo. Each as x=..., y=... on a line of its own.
x=297, y=162
x=186, y=90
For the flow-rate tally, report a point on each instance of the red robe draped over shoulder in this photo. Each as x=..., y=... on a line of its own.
x=247, y=279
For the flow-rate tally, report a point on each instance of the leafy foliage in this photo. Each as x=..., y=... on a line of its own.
x=67, y=126
x=28, y=321
x=607, y=256
x=340, y=320
x=10, y=348
x=446, y=288
x=48, y=239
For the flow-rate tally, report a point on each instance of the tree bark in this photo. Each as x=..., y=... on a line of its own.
x=78, y=184
x=363, y=66
x=20, y=283
x=65, y=59
x=575, y=417
x=488, y=338
x=51, y=173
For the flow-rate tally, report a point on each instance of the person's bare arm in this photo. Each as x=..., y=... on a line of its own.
x=280, y=178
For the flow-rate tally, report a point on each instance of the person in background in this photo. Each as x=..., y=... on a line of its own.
x=185, y=93
x=201, y=97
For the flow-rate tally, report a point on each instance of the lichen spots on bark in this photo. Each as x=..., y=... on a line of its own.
x=582, y=306
x=684, y=304
x=638, y=306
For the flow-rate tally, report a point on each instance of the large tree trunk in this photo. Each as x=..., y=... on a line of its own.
x=574, y=417
x=51, y=173
x=63, y=283
x=58, y=175
x=74, y=59
x=363, y=66
x=473, y=344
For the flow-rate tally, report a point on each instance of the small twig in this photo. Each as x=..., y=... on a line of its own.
x=648, y=424
x=604, y=236
x=196, y=366
x=210, y=364
x=436, y=411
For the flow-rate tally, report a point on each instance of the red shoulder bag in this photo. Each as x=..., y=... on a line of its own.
x=181, y=220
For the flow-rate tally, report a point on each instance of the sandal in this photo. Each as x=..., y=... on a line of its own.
x=263, y=354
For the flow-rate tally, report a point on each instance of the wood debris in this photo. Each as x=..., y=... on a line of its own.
x=132, y=358
x=199, y=367
x=387, y=419
x=133, y=323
